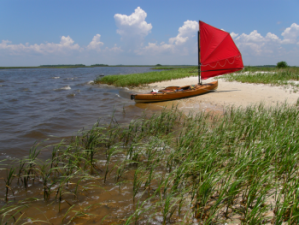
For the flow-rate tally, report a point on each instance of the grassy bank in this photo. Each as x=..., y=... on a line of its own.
x=241, y=166
x=269, y=75
x=258, y=75
x=133, y=80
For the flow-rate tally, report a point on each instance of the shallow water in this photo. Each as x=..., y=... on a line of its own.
x=54, y=104
x=96, y=202
x=39, y=104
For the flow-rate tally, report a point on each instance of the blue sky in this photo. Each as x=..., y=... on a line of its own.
x=139, y=32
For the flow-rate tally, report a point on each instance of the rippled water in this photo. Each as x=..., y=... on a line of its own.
x=54, y=104
x=36, y=104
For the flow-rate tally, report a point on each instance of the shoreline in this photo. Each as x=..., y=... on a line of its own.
x=136, y=161
x=228, y=94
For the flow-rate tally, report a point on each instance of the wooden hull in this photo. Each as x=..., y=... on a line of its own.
x=173, y=92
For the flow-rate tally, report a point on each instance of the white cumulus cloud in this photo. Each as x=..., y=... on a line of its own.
x=66, y=44
x=95, y=44
x=254, y=36
x=255, y=43
x=272, y=37
x=184, y=43
x=291, y=34
x=187, y=31
x=116, y=49
x=133, y=28
x=259, y=49
x=133, y=24
x=233, y=35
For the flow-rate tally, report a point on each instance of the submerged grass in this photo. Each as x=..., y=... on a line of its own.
x=241, y=166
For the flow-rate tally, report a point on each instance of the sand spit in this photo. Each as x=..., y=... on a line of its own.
x=228, y=94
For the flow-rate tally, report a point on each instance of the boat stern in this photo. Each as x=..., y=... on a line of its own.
x=133, y=96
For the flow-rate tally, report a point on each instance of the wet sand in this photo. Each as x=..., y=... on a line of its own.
x=228, y=94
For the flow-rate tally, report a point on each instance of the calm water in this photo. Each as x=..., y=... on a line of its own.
x=39, y=104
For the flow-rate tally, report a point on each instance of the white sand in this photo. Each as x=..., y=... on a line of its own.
x=228, y=93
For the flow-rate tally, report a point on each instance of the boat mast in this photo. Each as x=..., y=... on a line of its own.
x=199, y=64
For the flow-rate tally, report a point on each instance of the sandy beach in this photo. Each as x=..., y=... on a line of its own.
x=227, y=94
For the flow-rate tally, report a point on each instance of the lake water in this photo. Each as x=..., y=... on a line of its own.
x=39, y=104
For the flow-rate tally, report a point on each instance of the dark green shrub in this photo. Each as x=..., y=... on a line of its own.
x=282, y=64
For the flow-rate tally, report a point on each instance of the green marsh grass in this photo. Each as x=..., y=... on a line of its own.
x=205, y=167
x=8, y=181
x=164, y=68
x=133, y=80
x=273, y=76
x=258, y=75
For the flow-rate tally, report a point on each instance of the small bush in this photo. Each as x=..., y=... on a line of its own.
x=282, y=64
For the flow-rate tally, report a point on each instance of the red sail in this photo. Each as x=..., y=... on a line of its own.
x=218, y=52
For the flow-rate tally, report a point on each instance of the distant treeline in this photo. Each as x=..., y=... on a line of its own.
x=73, y=65
x=99, y=65
x=64, y=65
x=263, y=66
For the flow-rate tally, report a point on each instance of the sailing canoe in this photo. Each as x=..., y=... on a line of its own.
x=217, y=55
x=173, y=92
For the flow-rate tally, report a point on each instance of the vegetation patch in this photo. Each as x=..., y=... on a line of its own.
x=239, y=167
x=258, y=75
x=95, y=65
x=164, y=68
x=282, y=64
x=272, y=76
x=134, y=80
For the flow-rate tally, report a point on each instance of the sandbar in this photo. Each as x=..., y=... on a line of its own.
x=228, y=94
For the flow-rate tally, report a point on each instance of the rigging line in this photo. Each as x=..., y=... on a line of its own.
x=239, y=55
x=218, y=62
x=222, y=69
x=233, y=61
x=227, y=61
